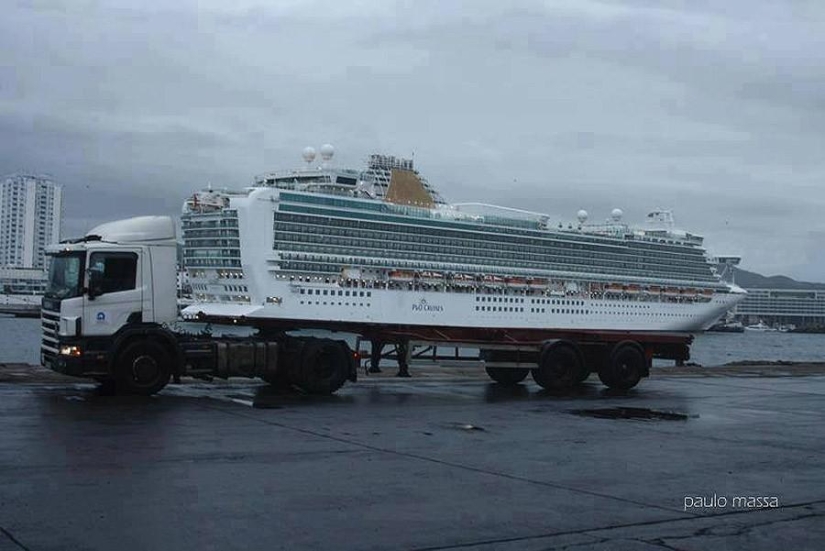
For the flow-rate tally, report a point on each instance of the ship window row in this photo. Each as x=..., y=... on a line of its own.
x=499, y=299
x=212, y=253
x=200, y=222
x=322, y=229
x=480, y=257
x=424, y=216
x=212, y=263
x=197, y=243
x=341, y=303
x=342, y=246
x=209, y=233
x=341, y=293
x=331, y=218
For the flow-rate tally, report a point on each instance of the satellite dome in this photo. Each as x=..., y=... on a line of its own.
x=309, y=154
x=582, y=216
x=616, y=214
x=327, y=151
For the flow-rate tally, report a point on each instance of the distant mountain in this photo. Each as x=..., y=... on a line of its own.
x=752, y=280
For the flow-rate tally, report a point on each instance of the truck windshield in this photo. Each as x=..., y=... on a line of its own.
x=65, y=276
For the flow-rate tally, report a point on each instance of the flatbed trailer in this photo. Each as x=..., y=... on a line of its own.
x=557, y=359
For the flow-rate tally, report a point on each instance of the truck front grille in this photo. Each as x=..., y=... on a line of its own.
x=50, y=322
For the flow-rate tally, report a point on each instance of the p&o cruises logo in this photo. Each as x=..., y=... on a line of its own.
x=424, y=306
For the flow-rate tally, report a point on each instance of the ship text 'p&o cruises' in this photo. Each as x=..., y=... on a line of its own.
x=380, y=246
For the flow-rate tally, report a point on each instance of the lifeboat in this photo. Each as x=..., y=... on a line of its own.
x=689, y=293
x=654, y=289
x=401, y=275
x=432, y=276
x=537, y=283
x=633, y=289
x=463, y=279
x=492, y=280
x=671, y=292
x=705, y=295
x=613, y=288
x=516, y=282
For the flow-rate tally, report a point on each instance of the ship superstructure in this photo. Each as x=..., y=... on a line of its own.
x=380, y=245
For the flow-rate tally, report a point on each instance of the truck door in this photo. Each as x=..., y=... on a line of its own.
x=114, y=292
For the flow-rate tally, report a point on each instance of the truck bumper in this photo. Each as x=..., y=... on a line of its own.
x=87, y=363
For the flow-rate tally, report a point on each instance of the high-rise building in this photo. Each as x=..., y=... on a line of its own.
x=30, y=215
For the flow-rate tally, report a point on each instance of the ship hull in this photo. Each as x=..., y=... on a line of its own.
x=330, y=305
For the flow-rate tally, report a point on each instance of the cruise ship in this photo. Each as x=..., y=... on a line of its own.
x=381, y=246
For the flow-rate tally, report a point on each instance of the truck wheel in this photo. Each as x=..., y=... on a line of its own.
x=506, y=375
x=559, y=367
x=323, y=367
x=143, y=367
x=625, y=366
x=278, y=380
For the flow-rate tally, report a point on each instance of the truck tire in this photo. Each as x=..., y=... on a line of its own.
x=278, y=380
x=507, y=376
x=625, y=366
x=560, y=365
x=143, y=367
x=323, y=367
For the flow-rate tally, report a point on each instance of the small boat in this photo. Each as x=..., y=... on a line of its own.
x=761, y=327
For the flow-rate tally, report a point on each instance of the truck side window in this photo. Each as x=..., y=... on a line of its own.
x=116, y=271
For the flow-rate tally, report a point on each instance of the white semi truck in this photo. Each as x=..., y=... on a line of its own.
x=111, y=307
x=109, y=310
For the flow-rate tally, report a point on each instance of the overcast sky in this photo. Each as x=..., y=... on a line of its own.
x=715, y=109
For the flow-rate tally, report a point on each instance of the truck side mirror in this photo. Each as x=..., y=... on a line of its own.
x=95, y=284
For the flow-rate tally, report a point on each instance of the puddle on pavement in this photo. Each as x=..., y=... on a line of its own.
x=631, y=413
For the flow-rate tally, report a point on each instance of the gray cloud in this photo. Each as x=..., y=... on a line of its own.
x=712, y=108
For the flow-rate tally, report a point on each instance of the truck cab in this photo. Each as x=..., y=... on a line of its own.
x=118, y=279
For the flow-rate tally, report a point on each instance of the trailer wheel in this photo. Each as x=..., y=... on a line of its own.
x=583, y=374
x=560, y=366
x=625, y=366
x=506, y=375
x=143, y=367
x=324, y=367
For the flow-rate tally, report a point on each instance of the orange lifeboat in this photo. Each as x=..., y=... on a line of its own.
x=401, y=275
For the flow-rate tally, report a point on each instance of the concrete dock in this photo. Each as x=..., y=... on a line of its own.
x=445, y=460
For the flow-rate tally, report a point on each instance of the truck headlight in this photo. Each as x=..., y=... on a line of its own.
x=70, y=350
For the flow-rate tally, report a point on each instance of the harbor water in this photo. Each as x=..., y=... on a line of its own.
x=20, y=343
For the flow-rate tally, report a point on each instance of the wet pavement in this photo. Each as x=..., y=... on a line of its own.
x=422, y=463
